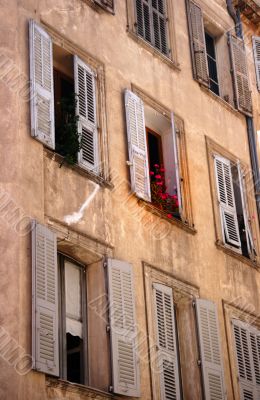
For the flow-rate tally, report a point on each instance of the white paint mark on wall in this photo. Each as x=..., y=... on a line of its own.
x=76, y=216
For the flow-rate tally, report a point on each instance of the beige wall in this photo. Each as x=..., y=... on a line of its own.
x=43, y=190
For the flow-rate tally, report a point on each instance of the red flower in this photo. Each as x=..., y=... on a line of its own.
x=162, y=170
x=158, y=177
x=169, y=216
x=159, y=183
x=151, y=173
x=164, y=196
x=177, y=204
x=174, y=197
x=156, y=165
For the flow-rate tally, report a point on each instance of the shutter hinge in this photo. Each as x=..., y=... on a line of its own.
x=129, y=163
x=110, y=389
x=105, y=264
x=199, y=363
x=108, y=329
x=193, y=303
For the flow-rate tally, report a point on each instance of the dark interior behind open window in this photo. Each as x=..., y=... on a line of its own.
x=212, y=63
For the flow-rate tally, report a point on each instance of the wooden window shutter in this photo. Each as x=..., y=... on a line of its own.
x=256, y=48
x=210, y=350
x=197, y=42
x=143, y=19
x=106, y=4
x=240, y=74
x=177, y=163
x=45, y=343
x=85, y=87
x=125, y=363
x=159, y=26
x=166, y=342
x=227, y=203
x=247, y=347
x=41, y=76
x=249, y=238
x=137, y=146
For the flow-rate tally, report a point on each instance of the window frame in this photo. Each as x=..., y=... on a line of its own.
x=214, y=149
x=62, y=316
x=172, y=58
x=215, y=60
x=98, y=68
x=186, y=201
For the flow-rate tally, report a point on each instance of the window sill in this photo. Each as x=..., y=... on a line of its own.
x=220, y=100
x=87, y=392
x=93, y=177
x=174, y=221
x=221, y=246
x=172, y=64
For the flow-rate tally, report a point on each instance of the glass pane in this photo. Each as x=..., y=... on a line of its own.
x=72, y=291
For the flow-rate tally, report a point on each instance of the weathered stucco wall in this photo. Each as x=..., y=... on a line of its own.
x=43, y=190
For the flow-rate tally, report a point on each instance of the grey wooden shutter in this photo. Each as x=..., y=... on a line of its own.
x=249, y=238
x=45, y=343
x=240, y=74
x=158, y=8
x=137, y=146
x=41, y=76
x=85, y=87
x=197, y=42
x=256, y=48
x=176, y=166
x=226, y=200
x=106, y=4
x=125, y=363
x=166, y=342
x=143, y=19
x=210, y=350
x=246, y=361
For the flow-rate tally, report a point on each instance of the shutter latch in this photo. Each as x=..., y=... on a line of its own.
x=129, y=163
x=199, y=363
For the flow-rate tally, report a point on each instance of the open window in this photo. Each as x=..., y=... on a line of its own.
x=154, y=153
x=212, y=63
x=64, y=102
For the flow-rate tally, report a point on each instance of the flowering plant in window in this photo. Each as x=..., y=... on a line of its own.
x=161, y=199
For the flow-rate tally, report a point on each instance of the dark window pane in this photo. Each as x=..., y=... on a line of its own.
x=74, y=359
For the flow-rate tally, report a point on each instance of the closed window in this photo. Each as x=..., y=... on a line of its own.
x=157, y=157
x=152, y=23
x=247, y=347
x=64, y=112
x=71, y=303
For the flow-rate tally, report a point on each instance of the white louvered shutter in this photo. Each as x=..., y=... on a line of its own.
x=167, y=353
x=240, y=74
x=124, y=346
x=176, y=163
x=227, y=203
x=197, y=41
x=256, y=48
x=137, y=146
x=41, y=76
x=210, y=350
x=245, y=345
x=45, y=344
x=85, y=87
x=249, y=237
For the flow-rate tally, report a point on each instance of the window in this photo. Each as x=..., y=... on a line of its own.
x=231, y=202
x=212, y=63
x=108, y=5
x=170, y=315
x=157, y=157
x=152, y=23
x=68, y=312
x=206, y=41
x=64, y=112
x=73, y=318
x=256, y=48
x=247, y=347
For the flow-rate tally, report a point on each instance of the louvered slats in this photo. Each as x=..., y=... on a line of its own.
x=41, y=75
x=197, y=42
x=228, y=214
x=166, y=342
x=106, y=4
x=45, y=300
x=210, y=351
x=240, y=74
x=137, y=145
x=85, y=84
x=256, y=47
x=152, y=24
x=123, y=329
x=247, y=345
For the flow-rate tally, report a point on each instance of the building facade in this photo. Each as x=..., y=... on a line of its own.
x=129, y=200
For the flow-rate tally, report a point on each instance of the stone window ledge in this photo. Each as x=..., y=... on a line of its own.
x=221, y=101
x=57, y=158
x=228, y=250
